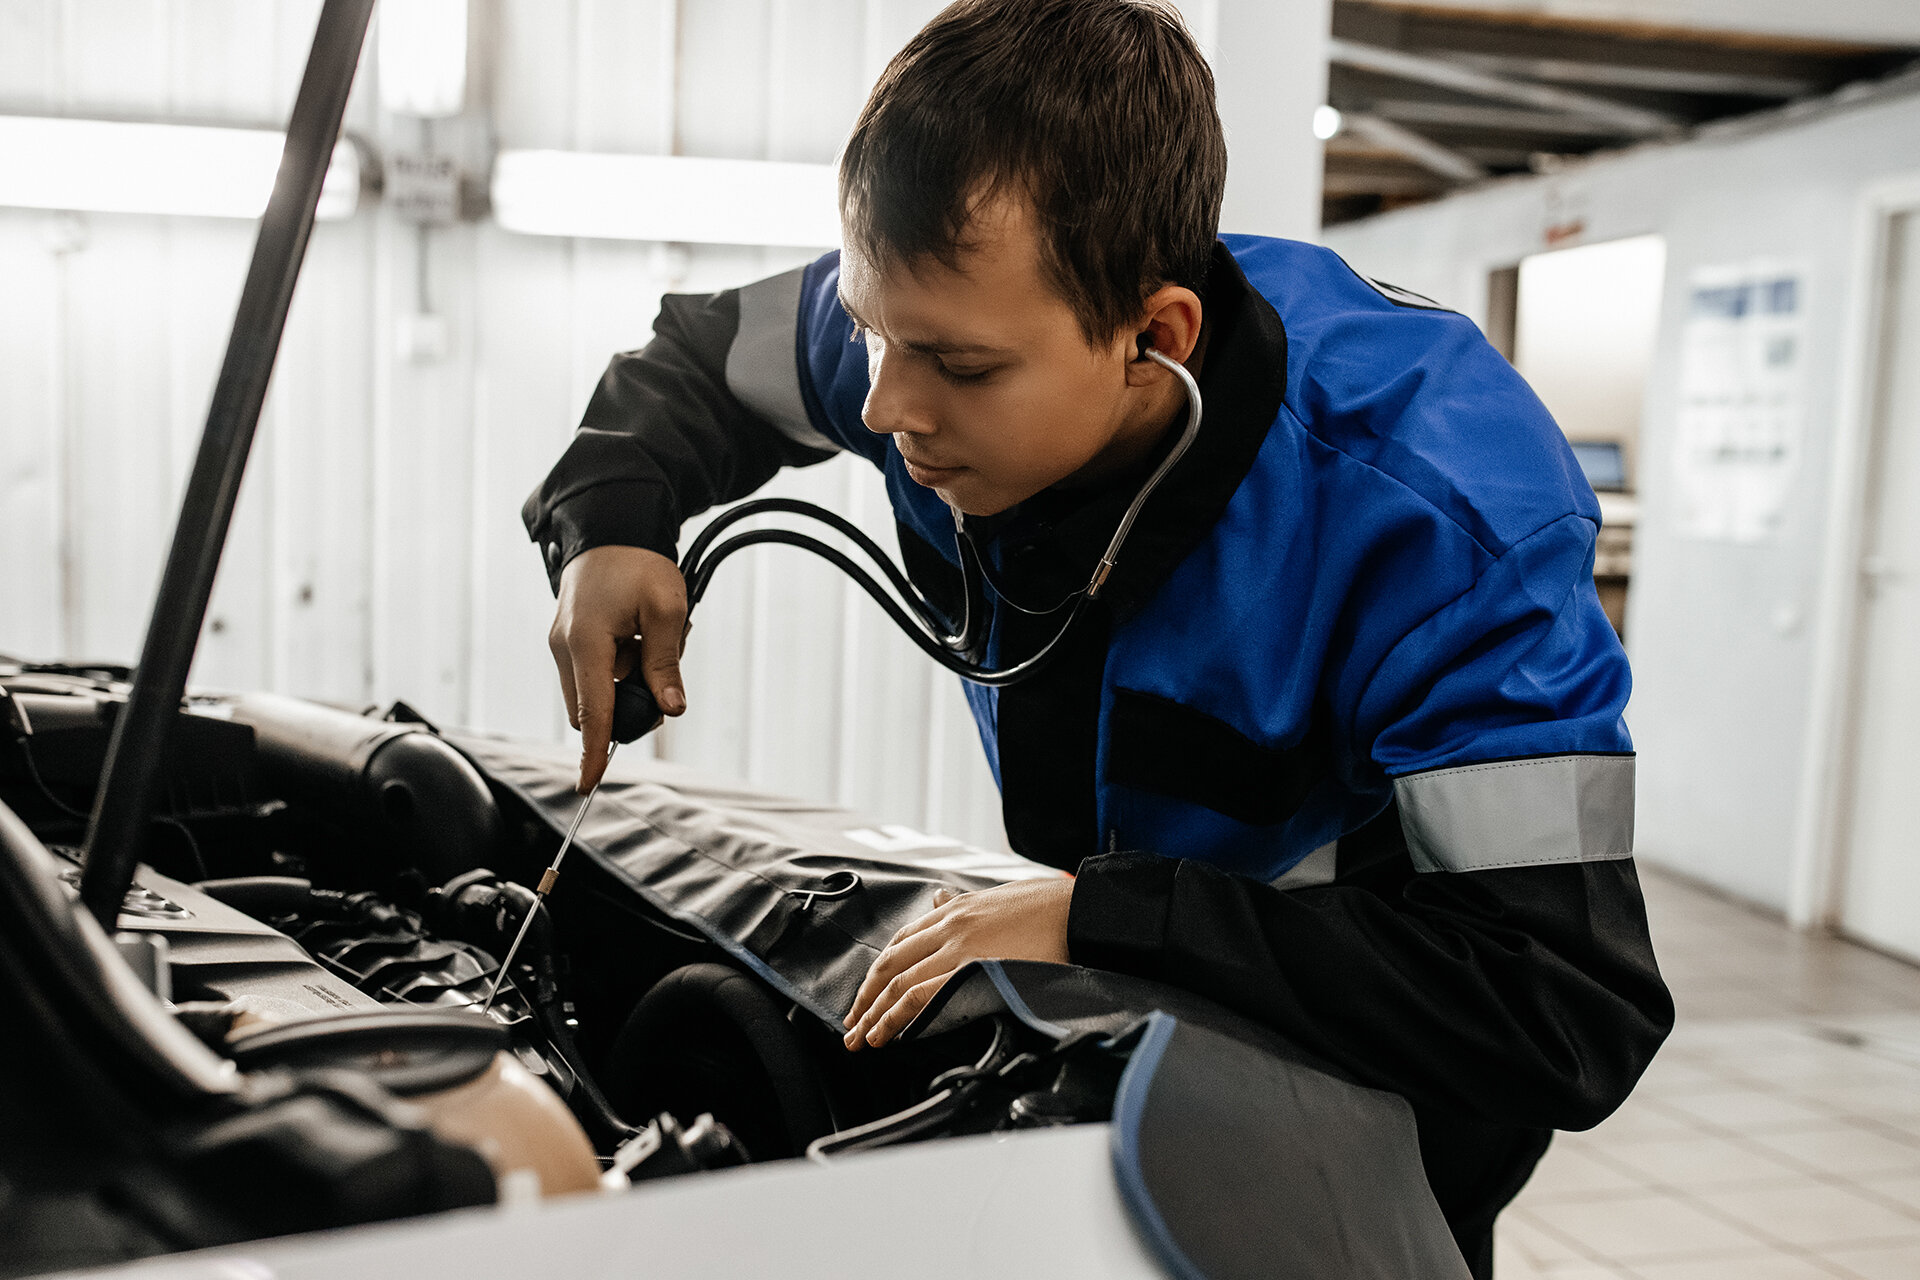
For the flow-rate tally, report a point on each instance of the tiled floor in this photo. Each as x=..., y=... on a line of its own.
x=1776, y=1137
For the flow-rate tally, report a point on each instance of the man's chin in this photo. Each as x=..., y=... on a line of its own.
x=968, y=500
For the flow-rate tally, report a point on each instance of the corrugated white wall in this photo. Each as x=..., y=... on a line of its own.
x=377, y=552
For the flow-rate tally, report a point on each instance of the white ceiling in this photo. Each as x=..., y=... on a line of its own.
x=1873, y=21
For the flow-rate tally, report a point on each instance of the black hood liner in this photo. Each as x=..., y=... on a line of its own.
x=765, y=878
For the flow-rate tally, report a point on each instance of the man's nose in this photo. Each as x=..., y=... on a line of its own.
x=891, y=407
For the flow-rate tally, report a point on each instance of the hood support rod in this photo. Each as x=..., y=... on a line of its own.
x=130, y=782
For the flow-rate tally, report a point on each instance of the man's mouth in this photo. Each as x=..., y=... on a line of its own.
x=927, y=475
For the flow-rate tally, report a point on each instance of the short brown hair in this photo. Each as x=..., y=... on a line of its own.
x=1100, y=112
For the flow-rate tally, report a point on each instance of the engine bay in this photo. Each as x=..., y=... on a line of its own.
x=312, y=862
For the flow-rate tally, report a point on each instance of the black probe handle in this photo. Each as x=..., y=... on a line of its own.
x=635, y=713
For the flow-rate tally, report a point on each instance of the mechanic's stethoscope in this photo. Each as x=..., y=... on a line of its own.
x=964, y=650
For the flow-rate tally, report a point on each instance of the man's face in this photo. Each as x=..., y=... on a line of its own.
x=982, y=375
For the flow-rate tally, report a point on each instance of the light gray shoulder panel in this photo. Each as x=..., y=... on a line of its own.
x=763, y=368
x=1519, y=813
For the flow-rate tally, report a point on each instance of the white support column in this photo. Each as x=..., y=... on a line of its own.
x=1270, y=62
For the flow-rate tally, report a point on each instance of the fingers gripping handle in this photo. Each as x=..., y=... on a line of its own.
x=635, y=712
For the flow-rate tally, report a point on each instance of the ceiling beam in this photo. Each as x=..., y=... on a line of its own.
x=1620, y=76
x=1412, y=182
x=1468, y=115
x=1445, y=74
x=1765, y=23
x=1423, y=151
x=1500, y=159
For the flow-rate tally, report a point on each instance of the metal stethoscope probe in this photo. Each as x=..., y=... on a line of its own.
x=962, y=651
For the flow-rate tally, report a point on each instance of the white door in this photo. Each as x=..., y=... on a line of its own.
x=1882, y=901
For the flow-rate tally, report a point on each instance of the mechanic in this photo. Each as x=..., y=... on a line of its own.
x=1339, y=742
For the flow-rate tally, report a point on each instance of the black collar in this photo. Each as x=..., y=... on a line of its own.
x=1048, y=546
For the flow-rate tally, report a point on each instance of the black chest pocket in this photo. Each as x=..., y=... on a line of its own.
x=1170, y=749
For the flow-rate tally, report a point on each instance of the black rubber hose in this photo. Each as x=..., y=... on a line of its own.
x=690, y=562
x=546, y=1008
x=915, y=626
x=736, y=1055
x=942, y=649
x=260, y=896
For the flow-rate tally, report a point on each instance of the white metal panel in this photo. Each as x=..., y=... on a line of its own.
x=533, y=61
x=206, y=260
x=722, y=101
x=113, y=56
x=816, y=76
x=424, y=481
x=29, y=42
x=320, y=404
x=32, y=417
x=624, y=75
x=118, y=456
x=523, y=398
x=216, y=63
x=1882, y=899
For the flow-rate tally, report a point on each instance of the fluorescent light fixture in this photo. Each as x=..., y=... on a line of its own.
x=423, y=57
x=1327, y=122
x=108, y=166
x=671, y=198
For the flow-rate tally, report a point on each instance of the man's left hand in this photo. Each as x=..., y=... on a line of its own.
x=1026, y=920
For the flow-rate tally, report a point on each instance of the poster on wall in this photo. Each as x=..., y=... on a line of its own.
x=1742, y=400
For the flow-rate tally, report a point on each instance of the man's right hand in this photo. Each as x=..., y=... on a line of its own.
x=608, y=596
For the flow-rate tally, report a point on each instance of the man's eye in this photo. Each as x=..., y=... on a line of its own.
x=962, y=375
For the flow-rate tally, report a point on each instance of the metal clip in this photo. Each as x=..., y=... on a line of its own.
x=836, y=884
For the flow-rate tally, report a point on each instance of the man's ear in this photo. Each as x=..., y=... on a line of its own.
x=1170, y=324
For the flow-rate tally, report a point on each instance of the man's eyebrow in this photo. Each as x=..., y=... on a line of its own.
x=935, y=348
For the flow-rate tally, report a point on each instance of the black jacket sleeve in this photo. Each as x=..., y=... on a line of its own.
x=1525, y=996
x=662, y=440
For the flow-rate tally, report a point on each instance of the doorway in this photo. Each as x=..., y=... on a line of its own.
x=1880, y=902
x=1580, y=325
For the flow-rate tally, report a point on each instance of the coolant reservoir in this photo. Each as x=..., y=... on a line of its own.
x=452, y=1068
x=518, y=1125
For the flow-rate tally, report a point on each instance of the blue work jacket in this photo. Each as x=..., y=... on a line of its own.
x=1370, y=580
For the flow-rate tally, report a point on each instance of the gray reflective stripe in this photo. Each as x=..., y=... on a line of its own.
x=763, y=368
x=1519, y=813
x=1316, y=868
